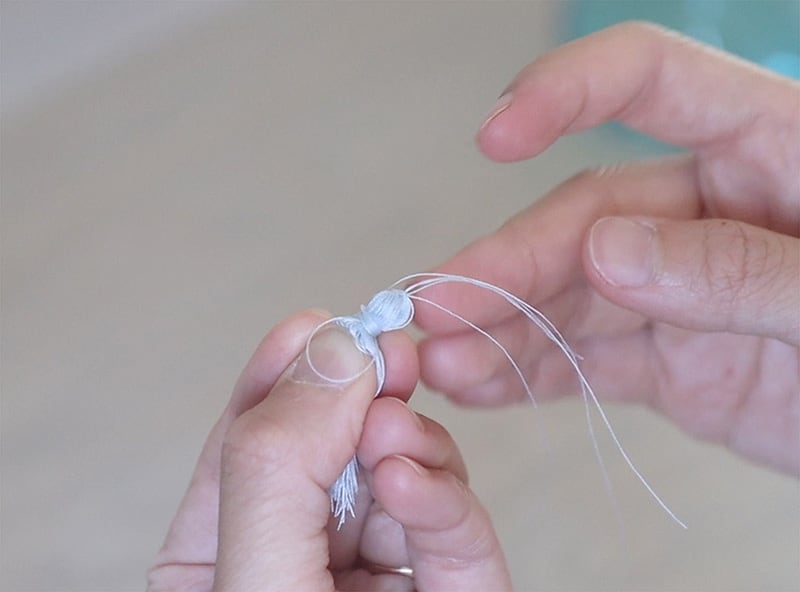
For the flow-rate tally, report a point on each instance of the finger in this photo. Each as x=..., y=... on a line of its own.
x=347, y=538
x=391, y=429
x=652, y=79
x=551, y=375
x=402, y=365
x=708, y=275
x=456, y=365
x=286, y=341
x=471, y=369
x=451, y=542
x=190, y=548
x=278, y=459
x=362, y=579
x=537, y=254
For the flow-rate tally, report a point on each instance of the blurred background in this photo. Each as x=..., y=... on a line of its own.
x=178, y=177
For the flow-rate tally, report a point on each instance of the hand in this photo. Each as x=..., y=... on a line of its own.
x=678, y=279
x=257, y=514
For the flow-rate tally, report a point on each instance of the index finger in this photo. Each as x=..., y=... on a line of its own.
x=649, y=78
x=536, y=255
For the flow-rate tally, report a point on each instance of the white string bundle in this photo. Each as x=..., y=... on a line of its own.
x=393, y=309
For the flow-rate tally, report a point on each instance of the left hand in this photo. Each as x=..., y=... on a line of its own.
x=257, y=514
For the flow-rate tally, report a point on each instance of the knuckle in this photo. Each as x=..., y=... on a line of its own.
x=253, y=439
x=738, y=265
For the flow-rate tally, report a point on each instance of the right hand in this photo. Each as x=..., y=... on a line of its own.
x=703, y=320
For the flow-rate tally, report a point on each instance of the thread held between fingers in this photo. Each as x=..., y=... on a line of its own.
x=393, y=309
x=388, y=310
x=330, y=359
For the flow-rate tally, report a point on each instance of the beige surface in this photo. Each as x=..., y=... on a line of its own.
x=159, y=217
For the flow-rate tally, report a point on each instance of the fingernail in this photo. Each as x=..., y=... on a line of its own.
x=331, y=359
x=623, y=251
x=503, y=103
x=418, y=468
x=413, y=414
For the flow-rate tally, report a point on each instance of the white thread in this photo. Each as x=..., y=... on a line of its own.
x=388, y=310
x=324, y=377
x=393, y=309
x=488, y=336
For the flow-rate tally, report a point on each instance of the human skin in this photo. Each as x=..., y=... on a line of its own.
x=257, y=517
x=678, y=279
x=701, y=321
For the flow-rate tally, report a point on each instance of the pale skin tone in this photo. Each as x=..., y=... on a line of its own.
x=700, y=320
x=709, y=336
x=257, y=514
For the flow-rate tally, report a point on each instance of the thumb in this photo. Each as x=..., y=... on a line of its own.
x=706, y=275
x=279, y=458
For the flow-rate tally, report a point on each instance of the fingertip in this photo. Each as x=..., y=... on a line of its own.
x=705, y=275
x=434, y=364
x=420, y=498
x=523, y=127
x=390, y=422
x=497, y=259
x=495, y=138
x=458, y=364
x=450, y=538
x=441, y=368
x=397, y=483
x=622, y=251
x=402, y=364
x=277, y=349
x=500, y=139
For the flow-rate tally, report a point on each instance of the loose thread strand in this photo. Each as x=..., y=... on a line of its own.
x=552, y=333
x=491, y=338
x=393, y=309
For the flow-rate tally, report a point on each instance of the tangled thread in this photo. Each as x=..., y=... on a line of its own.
x=388, y=310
